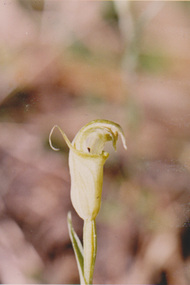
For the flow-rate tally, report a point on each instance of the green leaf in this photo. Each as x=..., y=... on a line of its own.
x=77, y=247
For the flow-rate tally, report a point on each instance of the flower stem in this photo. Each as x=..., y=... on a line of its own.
x=90, y=248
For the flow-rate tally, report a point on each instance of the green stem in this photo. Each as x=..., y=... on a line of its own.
x=90, y=248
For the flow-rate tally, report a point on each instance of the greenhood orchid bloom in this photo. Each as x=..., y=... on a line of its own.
x=86, y=161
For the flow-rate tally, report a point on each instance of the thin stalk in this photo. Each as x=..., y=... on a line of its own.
x=90, y=248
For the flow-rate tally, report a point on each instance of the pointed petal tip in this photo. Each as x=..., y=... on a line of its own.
x=50, y=141
x=64, y=136
x=123, y=140
x=124, y=144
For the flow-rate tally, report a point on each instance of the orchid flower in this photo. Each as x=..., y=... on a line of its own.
x=86, y=160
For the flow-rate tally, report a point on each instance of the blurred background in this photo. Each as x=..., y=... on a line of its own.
x=69, y=62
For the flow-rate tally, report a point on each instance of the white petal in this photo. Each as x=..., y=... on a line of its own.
x=86, y=183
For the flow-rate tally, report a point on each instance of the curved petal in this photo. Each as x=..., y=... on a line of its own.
x=64, y=136
x=97, y=133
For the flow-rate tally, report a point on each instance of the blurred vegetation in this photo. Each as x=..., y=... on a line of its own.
x=36, y=5
x=69, y=62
